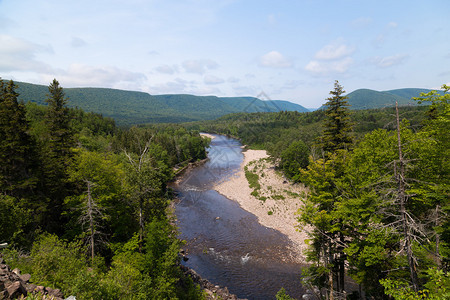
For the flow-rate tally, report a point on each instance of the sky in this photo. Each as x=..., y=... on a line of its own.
x=283, y=49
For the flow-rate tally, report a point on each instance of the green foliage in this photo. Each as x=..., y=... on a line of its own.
x=337, y=126
x=56, y=154
x=60, y=264
x=355, y=200
x=282, y=295
x=131, y=108
x=253, y=180
x=437, y=287
x=89, y=189
x=14, y=220
x=18, y=160
x=294, y=158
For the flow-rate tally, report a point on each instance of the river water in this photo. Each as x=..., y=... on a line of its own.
x=226, y=244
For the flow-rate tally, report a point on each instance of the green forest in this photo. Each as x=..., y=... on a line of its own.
x=84, y=205
x=379, y=180
x=130, y=108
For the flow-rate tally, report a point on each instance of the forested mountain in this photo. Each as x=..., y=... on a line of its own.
x=130, y=107
x=366, y=98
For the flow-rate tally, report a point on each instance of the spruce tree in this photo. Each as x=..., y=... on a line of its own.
x=337, y=127
x=17, y=148
x=57, y=150
x=323, y=176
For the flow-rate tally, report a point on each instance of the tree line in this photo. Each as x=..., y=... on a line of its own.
x=379, y=206
x=84, y=205
x=290, y=137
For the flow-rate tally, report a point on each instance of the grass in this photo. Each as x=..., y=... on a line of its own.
x=278, y=197
x=253, y=180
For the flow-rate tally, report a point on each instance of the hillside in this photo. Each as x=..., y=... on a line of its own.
x=130, y=107
x=366, y=98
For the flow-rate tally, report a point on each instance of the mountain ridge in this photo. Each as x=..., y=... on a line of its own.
x=134, y=107
x=368, y=98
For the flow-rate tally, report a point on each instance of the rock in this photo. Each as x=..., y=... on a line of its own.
x=31, y=287
x=57, y=293
x=3, y=295
x=13, y=285
x=212, y=291
x=25, y=277
x=16, y=289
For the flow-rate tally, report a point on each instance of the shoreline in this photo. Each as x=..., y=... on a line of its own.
x=277, y=202
x=282, y=199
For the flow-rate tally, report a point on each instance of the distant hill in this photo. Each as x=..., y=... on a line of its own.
x=365, y=98
x=130, y=107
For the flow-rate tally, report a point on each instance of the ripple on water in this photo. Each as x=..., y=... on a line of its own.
x=225, y=243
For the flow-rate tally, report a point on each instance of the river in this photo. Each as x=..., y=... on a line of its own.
x=226, y=244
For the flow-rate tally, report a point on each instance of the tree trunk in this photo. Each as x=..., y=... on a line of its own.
x=436, y=223
x=403, y=215
x=141, y=224
x=341, y=265
x=91, y=219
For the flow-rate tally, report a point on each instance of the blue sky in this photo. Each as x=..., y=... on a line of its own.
x=289, y=49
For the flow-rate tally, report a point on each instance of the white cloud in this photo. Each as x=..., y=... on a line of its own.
x=335, y=50
x=210, y=79
x=166, y=69
x=389, y=61
x=275, y=59
x=19, y=55
x=177, y=86
x=328, y=67
x=332, y=58
x=199, y=66
x=104, y=76
x=392, y=25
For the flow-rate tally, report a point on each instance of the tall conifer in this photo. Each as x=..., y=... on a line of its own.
x=17, y=159
x=57, y=155
x=338, y=127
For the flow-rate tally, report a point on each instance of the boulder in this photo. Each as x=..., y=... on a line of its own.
x=25, y=277
x=31, y=287
x=16, y=289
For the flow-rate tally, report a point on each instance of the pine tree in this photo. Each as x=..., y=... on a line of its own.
x=17, y=148
x=337, y=131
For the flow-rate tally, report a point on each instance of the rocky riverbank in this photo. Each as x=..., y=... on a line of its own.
x=276, y=202
x=14, y=285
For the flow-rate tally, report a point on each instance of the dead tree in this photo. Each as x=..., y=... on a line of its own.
x=402, y=198
x=91, y=214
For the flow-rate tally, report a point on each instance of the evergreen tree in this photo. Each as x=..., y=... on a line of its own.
x=57, y=151
x=17, y=159
x=323, y=176
x=336, y=134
